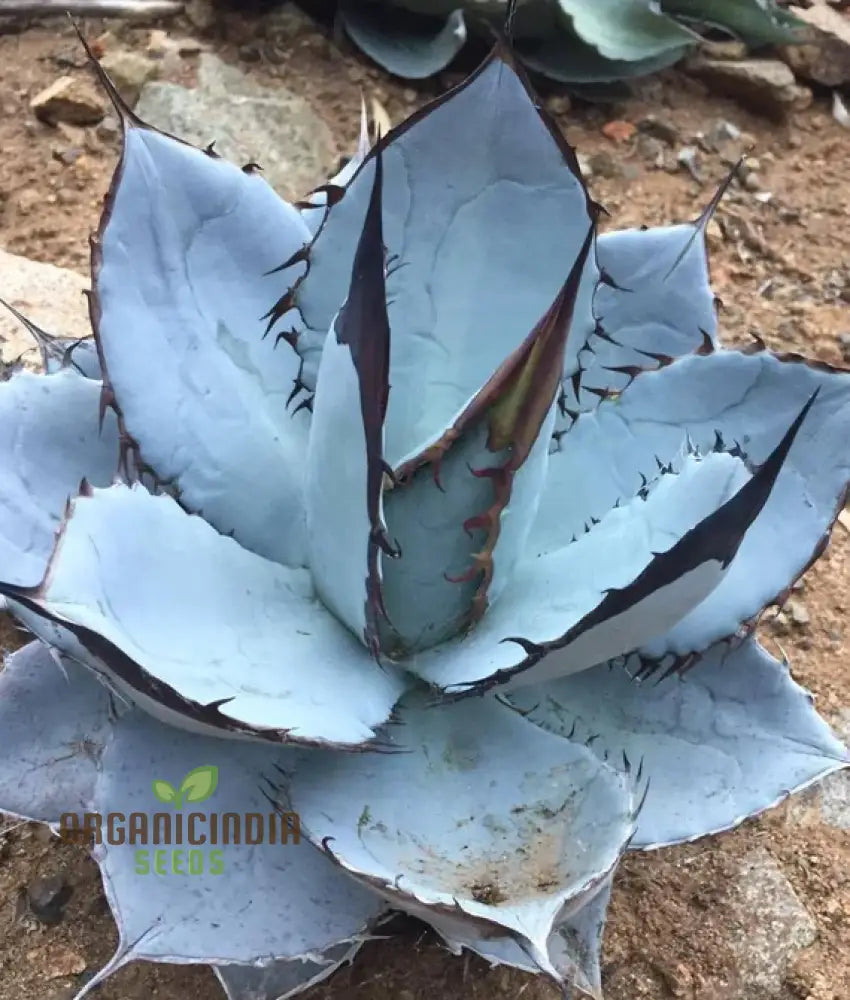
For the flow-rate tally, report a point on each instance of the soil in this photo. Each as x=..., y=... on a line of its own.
x=782, y=269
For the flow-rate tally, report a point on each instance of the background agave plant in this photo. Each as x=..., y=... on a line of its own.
x=397, y=555
x=574, y=41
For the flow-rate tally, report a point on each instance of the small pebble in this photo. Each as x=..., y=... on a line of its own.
x=46, y=898
x=798, y=613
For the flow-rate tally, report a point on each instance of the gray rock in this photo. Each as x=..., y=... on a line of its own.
x=766, y=86
x=248, y=122
x=825, y=57
x=835, y=790
x=660, y=129
x=724, y=131
x=651, y=149
x=798, y=612
x=688, y=159
x=603, y=164
x=51, y=297
x=829, y=800
x=773, y=926
x=46, y=898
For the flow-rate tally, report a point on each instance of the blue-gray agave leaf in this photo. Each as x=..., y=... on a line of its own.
x=461, y=509
x=61, y=352
x=240, y=646
x=282, y=980
x=574, y=945
x=484, y=215
x=727, y=400
x=732, y=737
x=279, y=898
x=626, y=30
x=57, y=719
x=759, y=22
x=561, y=55
x=50, y=439
x=345, y=540
x=509, y=849
x=401, y=44
x=632, y=577
x=181, y=286
x=651, y=301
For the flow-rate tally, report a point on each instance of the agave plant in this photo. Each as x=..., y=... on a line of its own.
x=416, y=482
x=573, y=41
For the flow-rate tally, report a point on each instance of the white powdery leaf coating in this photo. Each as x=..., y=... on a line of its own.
x=50, y=440
x=555, y=592
x=486, y=218
x=277, y=899
x=749, y=400
x=213, y=622
x=729, y=739
x=54, y=723
x=525, y=826
x=182, y=289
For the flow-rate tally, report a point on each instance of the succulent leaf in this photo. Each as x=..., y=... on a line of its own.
x=292, y=903
x=732, y=737
x=346, y=540
x=573, y=945
x=56, y=719
x=405, y=45
x=61, y=352
x=461, y=509
x=180, y=275
x=655, y=303
x=240, y=646
x=50, y=439
x=722, y=400
x=472, y=275
x=506, y=851
x=626, y=30
x=630, y=578
x=758, y=22
x=282, y=980
x=561, y=55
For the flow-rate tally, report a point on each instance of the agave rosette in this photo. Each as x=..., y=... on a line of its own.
x=395, y=553
x=578, y=42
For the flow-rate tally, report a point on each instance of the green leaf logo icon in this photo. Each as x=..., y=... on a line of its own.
x=163, y=791
x=199, y=784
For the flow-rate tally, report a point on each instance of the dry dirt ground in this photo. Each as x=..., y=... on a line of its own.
x=782, y=269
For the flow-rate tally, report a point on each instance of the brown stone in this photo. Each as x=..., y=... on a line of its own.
x=70, y=100
x=766, y=86
x=825, y=57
